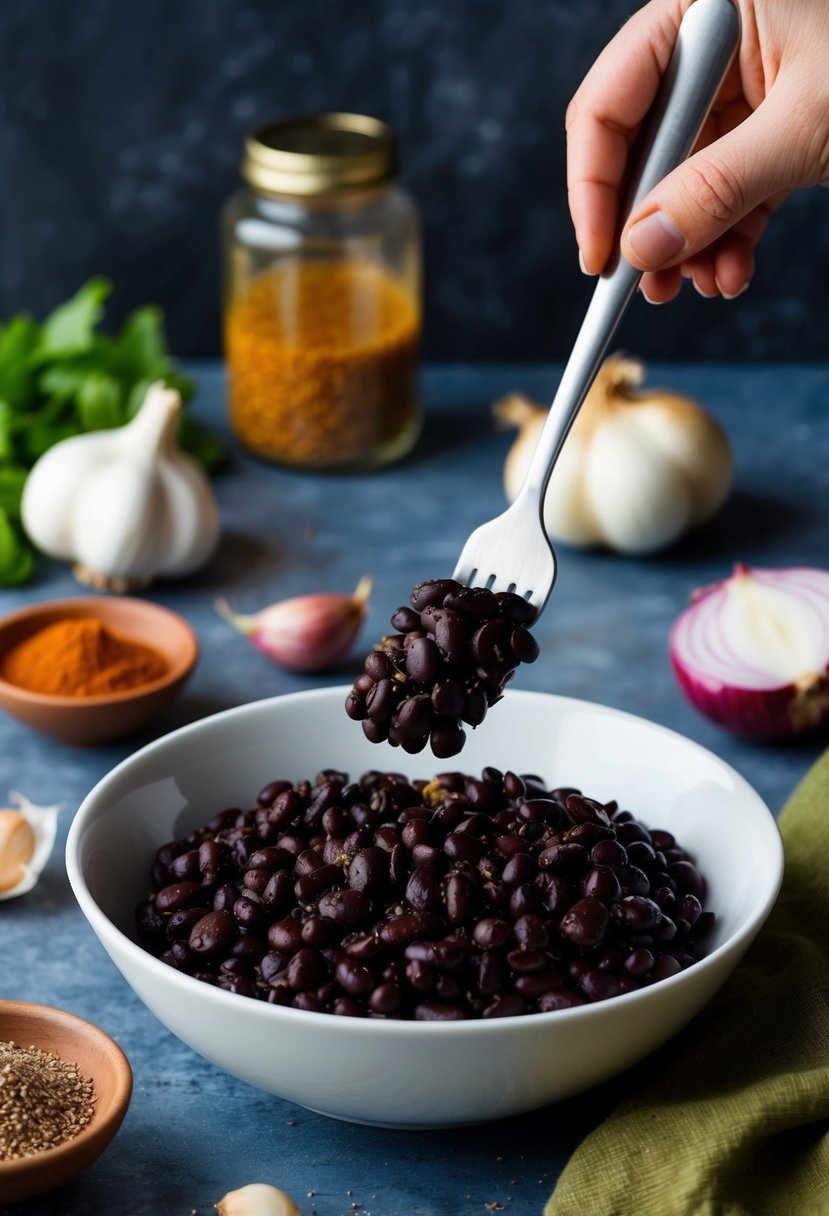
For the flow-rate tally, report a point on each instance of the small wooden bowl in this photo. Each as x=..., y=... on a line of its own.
x=100, y=1059
x=98, y=719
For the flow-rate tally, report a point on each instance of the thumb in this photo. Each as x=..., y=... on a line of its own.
x=712, y=190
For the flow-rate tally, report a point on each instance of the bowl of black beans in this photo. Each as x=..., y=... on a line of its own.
x=345, y=924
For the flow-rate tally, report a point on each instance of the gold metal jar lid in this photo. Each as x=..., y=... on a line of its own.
x=319, y=154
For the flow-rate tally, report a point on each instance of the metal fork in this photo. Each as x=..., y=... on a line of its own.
x=513, y=552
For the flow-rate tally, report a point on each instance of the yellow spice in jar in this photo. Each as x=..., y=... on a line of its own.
x=322, y=361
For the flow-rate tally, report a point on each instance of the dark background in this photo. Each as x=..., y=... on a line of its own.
x=121, y=127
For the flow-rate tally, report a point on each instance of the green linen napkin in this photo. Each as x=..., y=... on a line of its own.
x=732, y=1117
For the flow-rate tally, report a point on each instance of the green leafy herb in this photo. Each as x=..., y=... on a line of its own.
x=16, y=556
x=64, y=377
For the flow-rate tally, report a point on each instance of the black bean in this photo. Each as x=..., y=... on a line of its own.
x=597, y=985
x=509, y=1005
x=475, y=602
x=311, y=886
x=212, y=934
x=562, y=998
x=423, y=661
x=415, y=715
x=185, y=867
x=609, y=852
x=382, y=897
x=432, y=592
x=381, y=700
x=285, y=936
x=689, y=909
x=460, y=898
x=447, y=738
x=520, y=868
x=405, y=619
x=179, y=925
x=489, y=642
x=279, y=892
x=688, y=879
x=531, y=932
x=602, y=883
x=149, y=923
x=375, y=732
x=307, y=969
x=266, y=797
x=421, y=976
x=347, y=907
x=566, y=858
x=527, y=961
x=585, y=923
x=451, y=635
x=523, y=645
x=423, y=890
x=355, y=705
x=378, y=666
x=523, y=899
x=515, y=608
x=437, y=1011
x=491, y=973
x=638, y=913
x=448, y=698
x=385, y=998
x=179, y=895
x=354, y=977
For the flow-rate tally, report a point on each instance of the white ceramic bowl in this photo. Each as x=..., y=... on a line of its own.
x=414, y=1074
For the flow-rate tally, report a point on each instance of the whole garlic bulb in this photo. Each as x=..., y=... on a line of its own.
x=126, y=505
x=637, y=469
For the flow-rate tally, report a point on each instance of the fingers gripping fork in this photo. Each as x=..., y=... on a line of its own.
x=512, y=552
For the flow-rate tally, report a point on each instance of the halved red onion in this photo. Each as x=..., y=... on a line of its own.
x=752, y=652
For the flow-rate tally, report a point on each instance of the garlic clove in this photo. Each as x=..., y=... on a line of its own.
x=306, y=632
x=17, y=846
x=24, y=850
x=257, y=1199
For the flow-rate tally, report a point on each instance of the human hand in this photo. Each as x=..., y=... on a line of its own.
x=767, y=134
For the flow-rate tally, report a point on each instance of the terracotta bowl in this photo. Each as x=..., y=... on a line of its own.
x=100, y=1059
x=98, y=719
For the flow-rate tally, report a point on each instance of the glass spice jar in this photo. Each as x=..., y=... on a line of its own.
x=322, y=312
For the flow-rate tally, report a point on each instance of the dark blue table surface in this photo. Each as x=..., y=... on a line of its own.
x=192, y=1132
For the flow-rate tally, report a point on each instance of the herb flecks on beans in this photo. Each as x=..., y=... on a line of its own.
x=456, y=898
x=455, y=650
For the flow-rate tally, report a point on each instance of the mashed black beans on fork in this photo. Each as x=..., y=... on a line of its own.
x=445, y=900
x=452, y=655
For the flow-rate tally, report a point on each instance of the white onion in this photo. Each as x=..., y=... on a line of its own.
x=752, y=652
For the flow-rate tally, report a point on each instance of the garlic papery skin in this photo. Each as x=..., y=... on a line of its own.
x=752, y=652
x=27, y=836
x=636, y=471
x=257, y=1199
x=307, y=632
x=127, y=506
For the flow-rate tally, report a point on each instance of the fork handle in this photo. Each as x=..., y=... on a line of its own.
x=705, y=45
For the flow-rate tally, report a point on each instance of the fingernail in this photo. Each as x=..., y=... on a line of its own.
x=647, y=297
x=583, y=268
x=706, y=295
x=725, y=294
x=655, y=239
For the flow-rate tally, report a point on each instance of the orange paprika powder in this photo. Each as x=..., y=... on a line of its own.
x=81, y=657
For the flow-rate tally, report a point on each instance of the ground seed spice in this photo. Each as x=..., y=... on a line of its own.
x=44, y=1101
x=322, y=359
x=80, y=657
